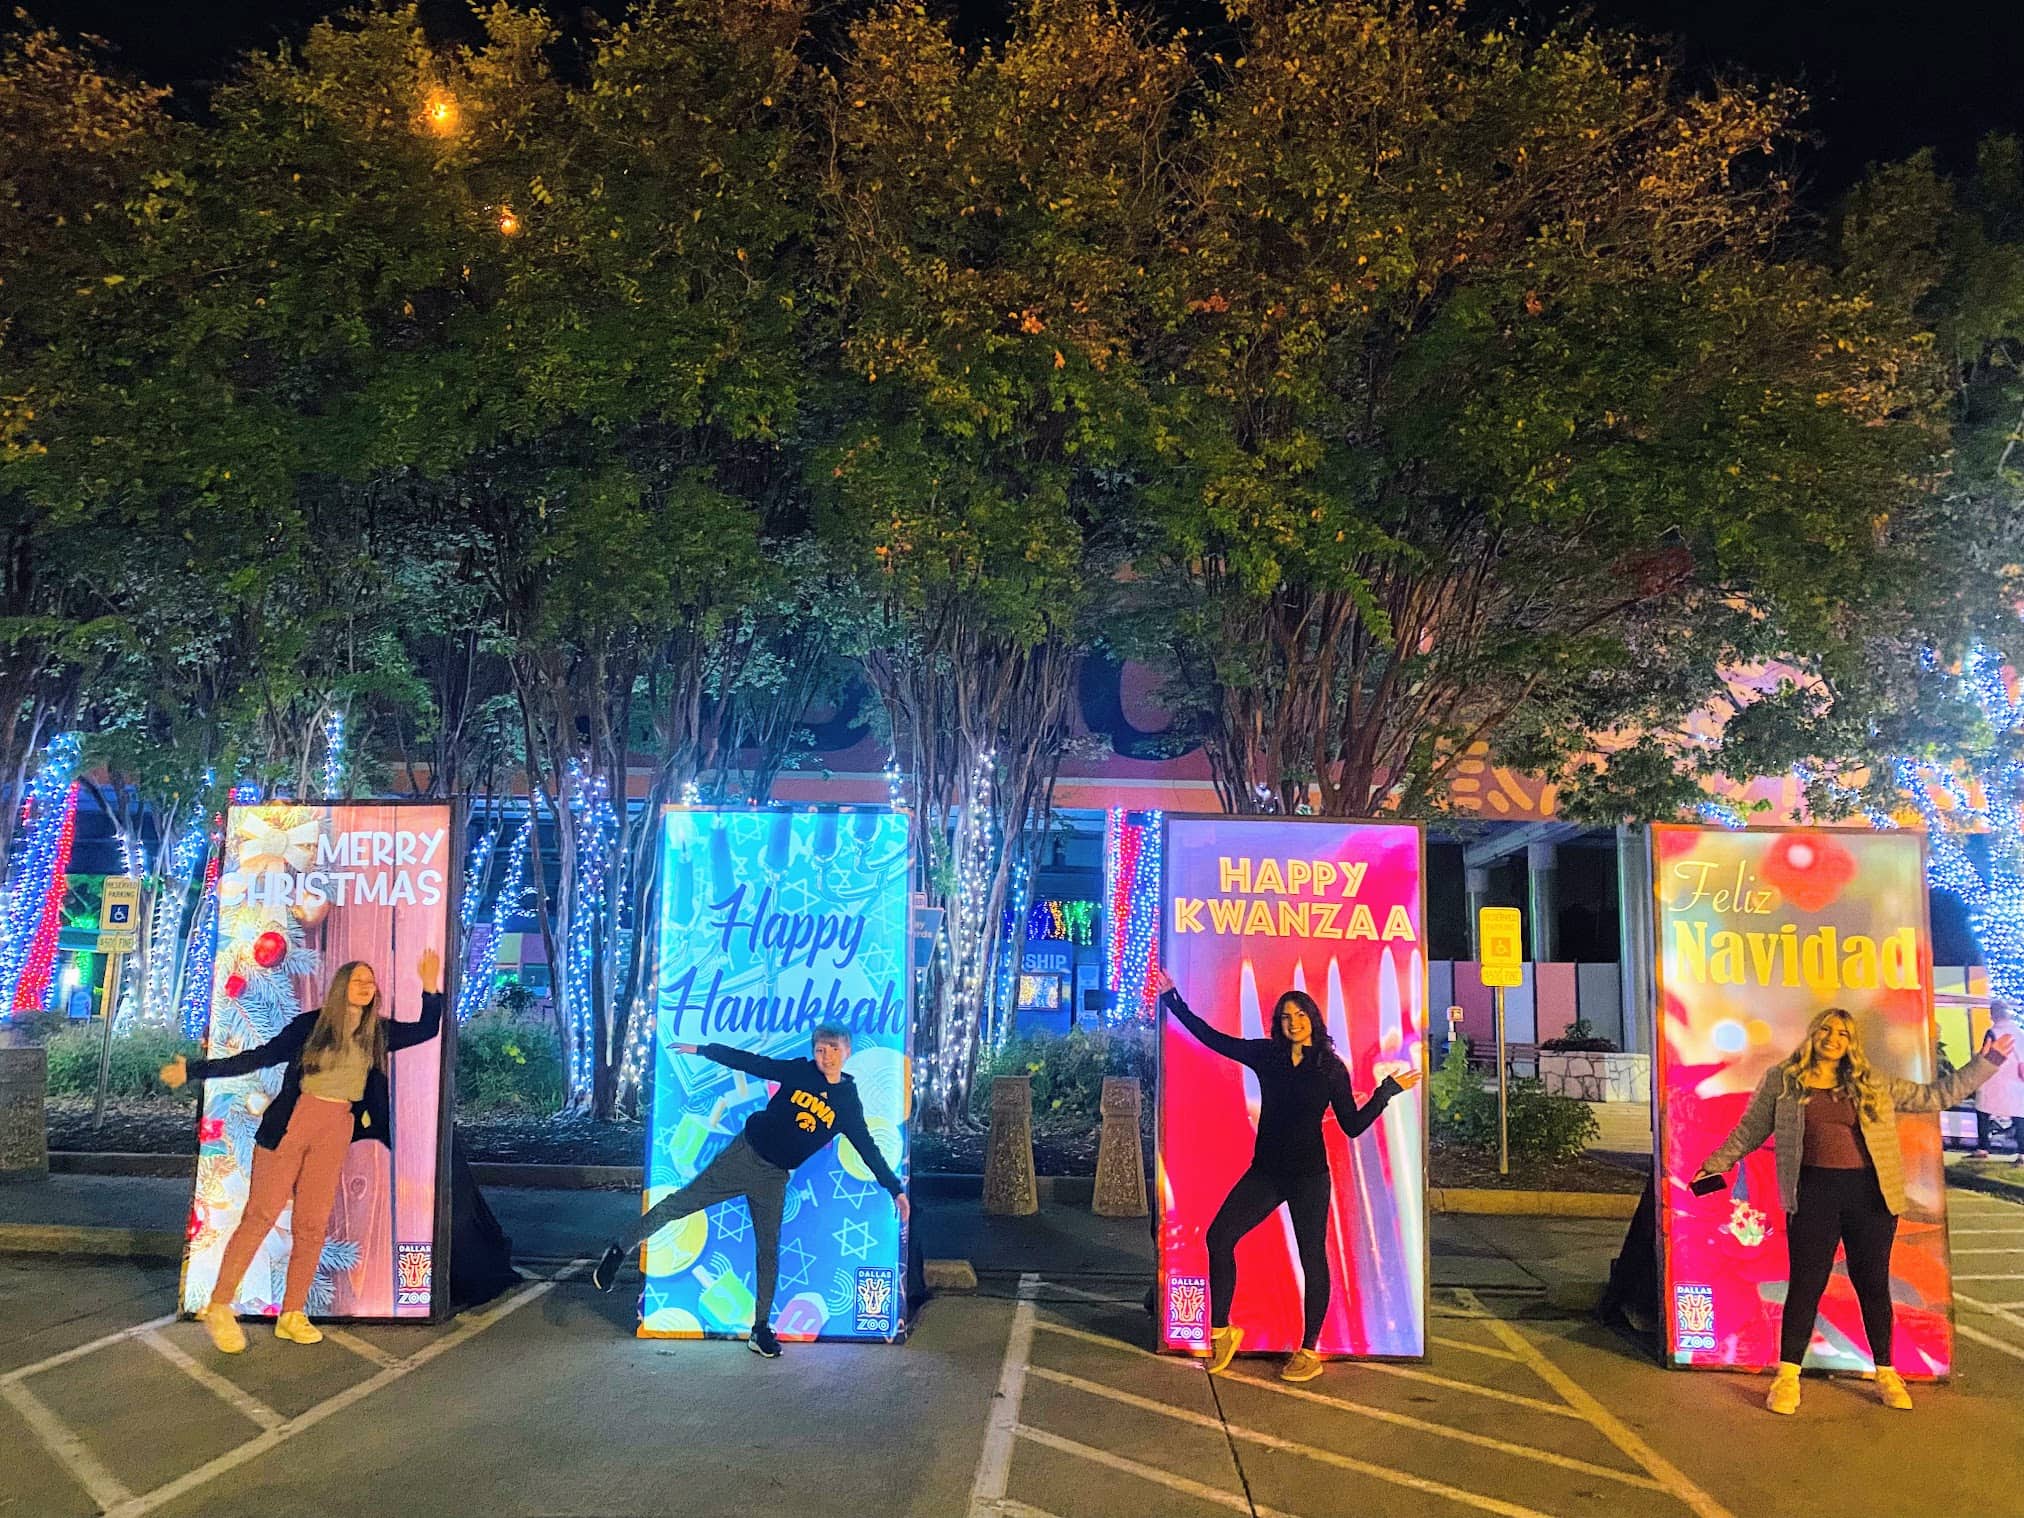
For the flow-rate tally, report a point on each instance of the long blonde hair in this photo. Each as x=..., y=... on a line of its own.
x=1854, y=1077
x=334, y=1025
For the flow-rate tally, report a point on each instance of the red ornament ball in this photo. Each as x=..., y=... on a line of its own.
x=235, y=986
x=269, y=949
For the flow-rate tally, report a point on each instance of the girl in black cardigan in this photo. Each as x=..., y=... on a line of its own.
x=335, y=1091
x=1300, y=1078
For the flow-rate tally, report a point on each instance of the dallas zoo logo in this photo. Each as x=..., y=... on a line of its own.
x=874, y=1301
x=1694, y=1316
x=1188, y=1309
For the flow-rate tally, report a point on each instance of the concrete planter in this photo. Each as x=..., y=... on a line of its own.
x=24, y=1134
x=1597, y=1077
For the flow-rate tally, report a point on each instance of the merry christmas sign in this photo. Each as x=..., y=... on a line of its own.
x=1254, y=908
x=773, y=923
x=1757, y=932
x=305, y=890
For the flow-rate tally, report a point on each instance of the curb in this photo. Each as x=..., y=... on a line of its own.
x=1485, y=1202
x=105, y=1243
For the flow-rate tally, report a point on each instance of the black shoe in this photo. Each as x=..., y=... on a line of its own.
x=762, y=1341
x=604, y=1274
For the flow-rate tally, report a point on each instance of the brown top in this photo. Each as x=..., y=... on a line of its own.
x=1833, y=1136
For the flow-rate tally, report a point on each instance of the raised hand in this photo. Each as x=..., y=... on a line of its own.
x=1160, y=981
x=1408, y=1079
x=685, y=1048
x=2003, y=1045
x=175, y=1073
x=431, y=971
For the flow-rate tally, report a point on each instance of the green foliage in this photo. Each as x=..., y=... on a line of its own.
x=508, y=1063
x=1067, y=1072
x=1580, y=1038
x=1540, y=1126
x=136, y=1058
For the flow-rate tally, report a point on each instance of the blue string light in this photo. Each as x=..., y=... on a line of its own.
x=333, y=754
x=1008, y=955
x=1142, y=922
x=43, y=811
x=475, y=989
x=1991, y=889
x=596, y=832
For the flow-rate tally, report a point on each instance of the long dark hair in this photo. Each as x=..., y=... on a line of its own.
x=334, y=1023
x=1322, y=1044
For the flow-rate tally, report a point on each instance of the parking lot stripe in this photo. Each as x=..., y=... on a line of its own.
x=1969, y=1331
x=66, y=1446
x=2013, y=1276
x=1288, y=1446
x=1474, y=1349
x=106, y=1341
x=1151, y=1473
x=1012, y=1507
x=1448, y=1431
x=994, y=1463
x=1993, y=1249
x=361, y=1348
x=1608, y=1424
x=237, y=1397
x=134, y=1507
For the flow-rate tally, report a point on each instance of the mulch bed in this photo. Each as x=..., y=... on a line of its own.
x=163, y=1127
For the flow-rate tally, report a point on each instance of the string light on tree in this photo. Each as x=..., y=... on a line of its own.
x=32, y=913
x=596, y=831
x=333, y=755
x=1990, y=886
x=969, y=930
x=475, y=989
x=1005, y=1004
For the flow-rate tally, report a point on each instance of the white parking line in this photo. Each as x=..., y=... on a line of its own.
x=1151, y=1473
x=134, y=1507
x=994, y=1463
x=254, y=1410
x=1606, y=1423
x=2013, y=1276
x=69, y=1450
x=106, y=1341
x=1457, y=1494
x=361, y=1348
x=1474, y=1349
x=1969, y=1331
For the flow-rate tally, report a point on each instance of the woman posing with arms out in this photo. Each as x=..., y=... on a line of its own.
x=1300, y=1077
x=1835, y=1124
x=335, y=1092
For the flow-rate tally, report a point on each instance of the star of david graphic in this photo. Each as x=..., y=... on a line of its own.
x=795, y=1261
x=853, y=1240
x=846, y=1189
x=733, y=1221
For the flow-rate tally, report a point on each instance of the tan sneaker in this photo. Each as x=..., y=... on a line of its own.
x=1784, y=1394
x=296, y=1328
x=1301, y=1365
x=1890, y=1389
x=223, y=1328
x=1223, y=1344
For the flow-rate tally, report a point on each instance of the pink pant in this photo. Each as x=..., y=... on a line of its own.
x=306, y=1165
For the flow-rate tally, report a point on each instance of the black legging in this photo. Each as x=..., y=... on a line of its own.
x=1846, y=1207
x=1254, y=1198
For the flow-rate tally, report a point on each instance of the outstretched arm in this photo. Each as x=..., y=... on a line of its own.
x=1352, y=1118
x=1243, y=1050
x=851, y=1124
x=1751, y=1129
x=278, y=1050
x=741, y=1059
x=1952, y=1090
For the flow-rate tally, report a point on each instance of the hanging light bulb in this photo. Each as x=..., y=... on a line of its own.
x=509, y=224
x=442, y=114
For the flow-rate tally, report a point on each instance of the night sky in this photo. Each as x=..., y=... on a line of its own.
x=1886, y=76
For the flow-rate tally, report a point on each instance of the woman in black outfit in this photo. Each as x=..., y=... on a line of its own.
x=1300, y=1077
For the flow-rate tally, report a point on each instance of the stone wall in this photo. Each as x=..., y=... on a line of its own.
x=1597, y=1077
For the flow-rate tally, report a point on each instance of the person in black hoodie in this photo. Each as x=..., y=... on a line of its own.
x=814, y=1103
x=335, y=1093
x=1300, y=1077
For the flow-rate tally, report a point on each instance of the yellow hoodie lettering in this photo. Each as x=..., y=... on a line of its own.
x=810, y=1102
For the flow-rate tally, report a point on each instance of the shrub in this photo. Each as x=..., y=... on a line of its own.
x=1580, y=1038
x=136, y=1057
x=508, y=1063
x=1067, y=1071
x=1541, y=1126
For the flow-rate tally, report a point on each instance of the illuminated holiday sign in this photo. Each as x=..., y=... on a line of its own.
x=1253, y=908
x=772, y=924
x=1758, y=932
x=303, y=891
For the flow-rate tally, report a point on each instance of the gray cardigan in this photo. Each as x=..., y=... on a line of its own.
x=1772, y=1114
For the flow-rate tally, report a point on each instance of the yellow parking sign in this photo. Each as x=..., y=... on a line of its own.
x=1500, y=935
